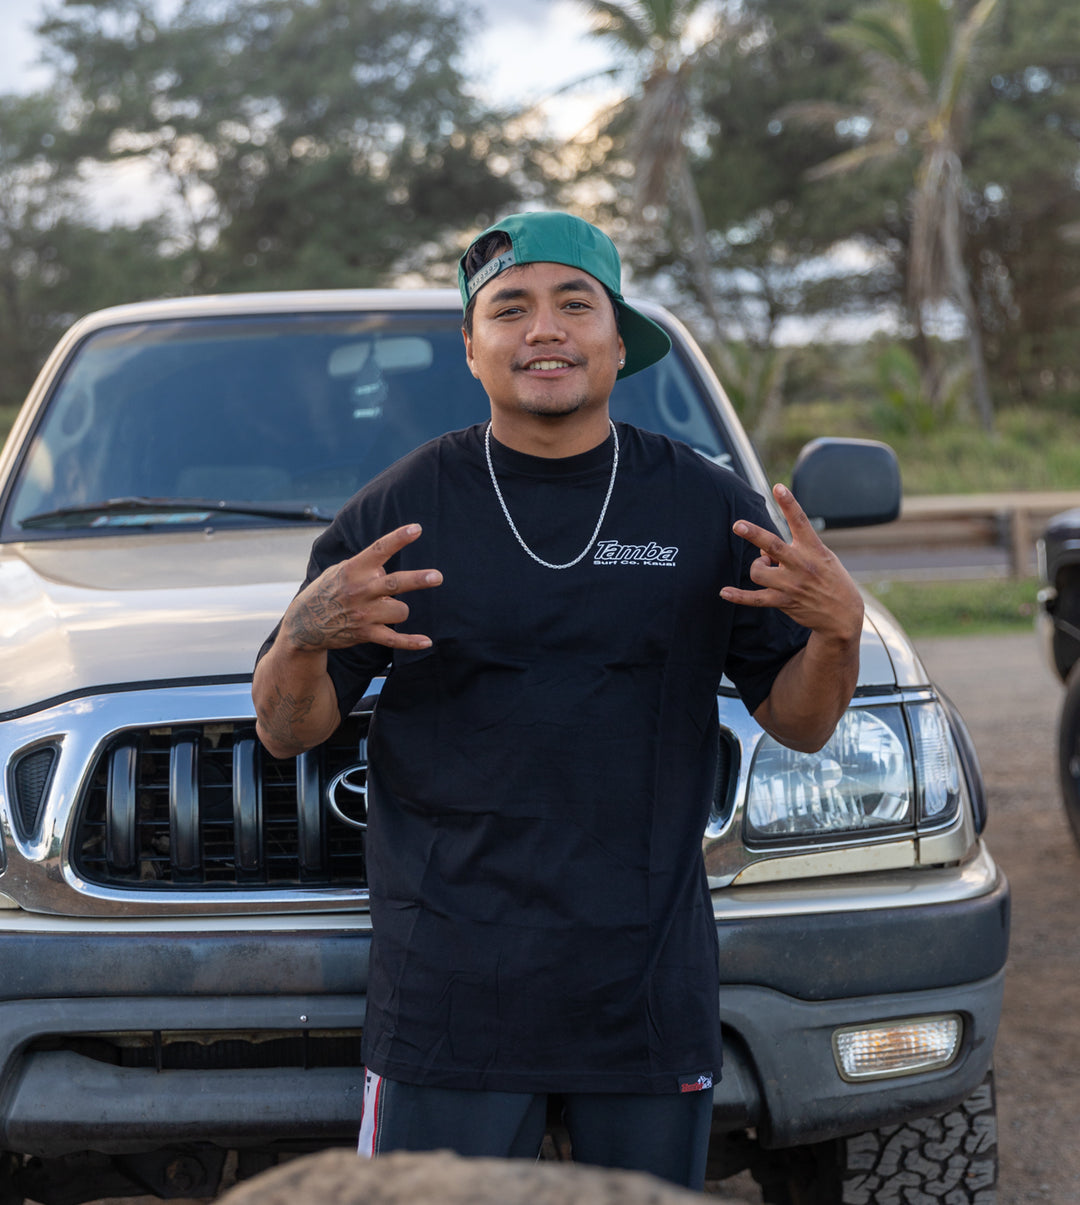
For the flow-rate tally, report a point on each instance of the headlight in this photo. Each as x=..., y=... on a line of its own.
x=866, y=780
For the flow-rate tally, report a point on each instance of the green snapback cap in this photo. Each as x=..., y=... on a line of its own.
x=561, y=238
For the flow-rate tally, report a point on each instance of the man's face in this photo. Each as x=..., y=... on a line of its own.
x=544, y=341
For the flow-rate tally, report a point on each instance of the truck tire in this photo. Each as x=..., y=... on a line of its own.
x=950, y=1159
x=1069, y=751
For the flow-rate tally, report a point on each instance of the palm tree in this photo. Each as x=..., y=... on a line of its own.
x=922, y=57
x=664, y=42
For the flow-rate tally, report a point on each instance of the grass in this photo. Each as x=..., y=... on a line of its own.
x=967, y=608
x=1031, y=449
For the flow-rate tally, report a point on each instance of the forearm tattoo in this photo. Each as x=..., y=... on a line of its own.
x=286, y=713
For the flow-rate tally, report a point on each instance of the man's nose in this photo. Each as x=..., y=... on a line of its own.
x=546, y=324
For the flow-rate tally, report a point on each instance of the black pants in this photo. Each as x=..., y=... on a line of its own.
x=667, y=1135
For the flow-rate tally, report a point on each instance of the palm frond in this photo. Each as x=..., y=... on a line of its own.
x=590, y=77
x=623, y=24
x=849, y=161
x=601, y=120
x=965, y=48
x=877, y=31
x=817, y=114
x=932, y=38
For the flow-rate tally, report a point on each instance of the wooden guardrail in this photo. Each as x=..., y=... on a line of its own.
x=1012, y=521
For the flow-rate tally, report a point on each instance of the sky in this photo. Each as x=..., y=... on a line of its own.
x=519, y=51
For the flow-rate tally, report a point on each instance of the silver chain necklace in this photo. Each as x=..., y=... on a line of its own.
x=513, y=528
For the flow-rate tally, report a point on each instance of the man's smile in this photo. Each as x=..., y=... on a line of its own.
x=548, y=365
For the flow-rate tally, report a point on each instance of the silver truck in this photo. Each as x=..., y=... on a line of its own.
x=183, y=921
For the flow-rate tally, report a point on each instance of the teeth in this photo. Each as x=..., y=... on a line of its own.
x=541, y=365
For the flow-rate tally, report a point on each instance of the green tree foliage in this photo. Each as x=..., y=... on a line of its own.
x=54, y=265
x=771, y=226
x=1024, y=232
x=652, y=141
x=767, y=230
x=312, y=143
x=771, y=222
x=662, y=46
x=922, y=64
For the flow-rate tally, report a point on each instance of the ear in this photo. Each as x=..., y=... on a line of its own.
x=469, y=359
x=621, y=357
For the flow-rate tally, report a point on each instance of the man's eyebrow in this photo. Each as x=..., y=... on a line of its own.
x=579, y=284
x=508, y=293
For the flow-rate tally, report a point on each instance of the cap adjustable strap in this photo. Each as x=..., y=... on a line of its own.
x=492, y=268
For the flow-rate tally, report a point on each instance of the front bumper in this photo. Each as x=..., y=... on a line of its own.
x=780, y=1075
x=788, y=981
x=57, y=1102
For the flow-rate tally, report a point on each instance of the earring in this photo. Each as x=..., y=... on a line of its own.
x=622, y=363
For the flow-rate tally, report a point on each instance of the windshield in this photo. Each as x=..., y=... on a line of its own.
x=294, y=411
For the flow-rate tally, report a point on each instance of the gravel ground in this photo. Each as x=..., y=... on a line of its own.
x=1010, y=700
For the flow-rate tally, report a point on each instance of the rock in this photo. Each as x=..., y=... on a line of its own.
x=340, y=1177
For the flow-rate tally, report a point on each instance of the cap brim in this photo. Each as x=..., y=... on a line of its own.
x=645, y=341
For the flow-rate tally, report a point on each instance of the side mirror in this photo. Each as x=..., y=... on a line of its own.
x=847, y=482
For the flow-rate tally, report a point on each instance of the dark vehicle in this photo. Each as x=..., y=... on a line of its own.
x=1058, y=554
x=183, y=918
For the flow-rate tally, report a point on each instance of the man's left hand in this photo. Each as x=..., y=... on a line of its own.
x=804, y=579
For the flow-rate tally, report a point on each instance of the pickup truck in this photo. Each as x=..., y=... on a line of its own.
x=183, y=917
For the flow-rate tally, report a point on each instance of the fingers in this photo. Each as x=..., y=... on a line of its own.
x=768, y=541
x=371, y=560
x=772, y=545
x=750, y=598
x=355, y=601
x=392, y=639
x=411, y=579
x=386, y=546
x=381, y=550
x=803, y=578
x=796, y=517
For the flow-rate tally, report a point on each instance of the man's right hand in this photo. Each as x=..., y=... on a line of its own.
x=355, y=602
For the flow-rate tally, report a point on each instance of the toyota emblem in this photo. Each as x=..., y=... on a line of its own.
x=347, y=795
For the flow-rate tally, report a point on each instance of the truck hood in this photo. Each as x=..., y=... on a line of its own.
x=83, y=614
x=80, y=615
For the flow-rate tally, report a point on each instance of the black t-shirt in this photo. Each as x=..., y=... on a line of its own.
x=541, y=777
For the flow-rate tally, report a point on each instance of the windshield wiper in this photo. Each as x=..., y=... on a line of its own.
x=110, y=512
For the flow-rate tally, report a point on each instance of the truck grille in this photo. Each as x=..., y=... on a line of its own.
x=205, y=806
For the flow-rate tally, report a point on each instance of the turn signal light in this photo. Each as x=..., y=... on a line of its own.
x=896, y=1047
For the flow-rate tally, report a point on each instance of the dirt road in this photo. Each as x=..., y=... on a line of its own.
x=1010, y=702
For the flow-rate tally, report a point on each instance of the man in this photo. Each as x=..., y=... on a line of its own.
x=543, y=754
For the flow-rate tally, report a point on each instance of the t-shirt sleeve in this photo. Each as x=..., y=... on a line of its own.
x=763, y=639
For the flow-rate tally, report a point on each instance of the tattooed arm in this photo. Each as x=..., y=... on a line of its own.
x=354, y=602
